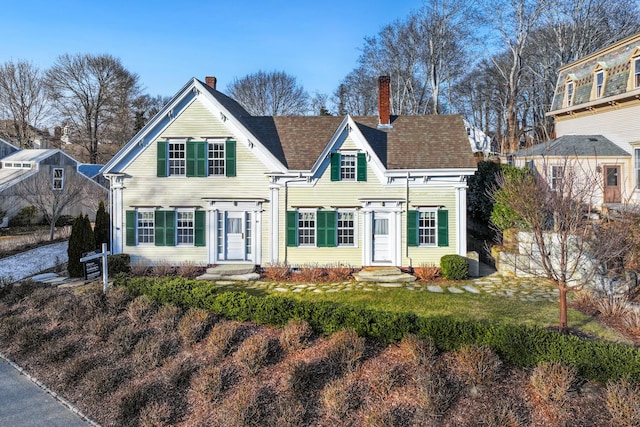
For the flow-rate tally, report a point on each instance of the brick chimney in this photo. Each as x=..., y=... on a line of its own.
x=211, y=81
x=383, y=101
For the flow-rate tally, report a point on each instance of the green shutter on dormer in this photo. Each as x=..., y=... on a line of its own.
x=443, y=227
x=292, y=228
x=131, y=228
x=197, y=158
x=412, y=228
x=362, y=167
x=199, y=232
x=335, y=166
x=163, y=147
x=230, y=157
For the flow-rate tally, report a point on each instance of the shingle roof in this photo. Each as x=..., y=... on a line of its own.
x=575, y=145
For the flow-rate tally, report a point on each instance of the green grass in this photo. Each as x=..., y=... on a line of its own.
x=490, y=308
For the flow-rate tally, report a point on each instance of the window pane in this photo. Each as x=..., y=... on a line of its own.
x=346, y=228
x=216, y=159
x=381, y=226
x=612, y=177
x=234, y=225
x=427, y=228
x=185, y=227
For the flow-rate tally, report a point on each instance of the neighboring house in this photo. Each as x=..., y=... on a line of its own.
x=206, y=182
x=600, y=95
x=591, y=157
x=7, y=148
x=93, y=171
x=52, y=171
x=479, y=141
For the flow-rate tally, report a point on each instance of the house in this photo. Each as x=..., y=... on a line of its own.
x=206, y=182
x=52, y=175
x=598, y=96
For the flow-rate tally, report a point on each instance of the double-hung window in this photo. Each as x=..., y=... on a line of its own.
x=58, y=179
x=346, y=228
x=599, y=84
x=427, y=228
x=636, y=73
x=306, y=228
x=348, y=166
x=570, y=88
x=557, y=173
x=216, y=159
x=146, y=227
x=185, y=227
x=177, y=158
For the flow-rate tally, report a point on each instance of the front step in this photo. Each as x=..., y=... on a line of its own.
x=238, y=272
x=382, y=275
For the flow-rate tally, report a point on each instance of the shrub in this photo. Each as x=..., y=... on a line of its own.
x=210, y=382
x=437, y=392
x=119, y=263
x=65, y=221
x=140, y=310
x=338, y=272
x=188, y=269
x=194, y=325
x=162, y=269
x=101, y=227
x=80, y=242
x=101, y=325
x=222, y=337
x=123, y=339
x=152, y=350
x=345, y=350
x=139, y=269
x=295, y=335
x=24, y=217
x=156, y=414
x=421, y=351
x=385, y=378
x=342, y=397
x=276, y=272
x=623, y=402
x=254, y=353
x=249, y=405
x=550, y=381
x=312, y=273
x=166, y=318
x=427, y=272
x=476, y=364
x=612, y=306
x=454, y=267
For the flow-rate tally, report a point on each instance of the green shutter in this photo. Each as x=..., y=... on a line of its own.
x=131, y=228
x=230, y=157
x=443, y=228
x=202, y=157
x=292, y=228
x=170, y=228
x=163, y=147
x=330, y=228
x=321, y=229
x=159, y=232
x=335, y=166
x=412, y=228
x=199, y=238
x=362, y=167
x=191, y=159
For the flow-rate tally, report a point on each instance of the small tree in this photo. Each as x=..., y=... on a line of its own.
x=101, y=228
x=80, y=241
x=566, y=245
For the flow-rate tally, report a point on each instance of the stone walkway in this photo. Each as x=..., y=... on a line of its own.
x=510, y=288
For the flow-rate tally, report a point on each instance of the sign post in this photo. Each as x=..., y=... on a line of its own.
x=92, y=269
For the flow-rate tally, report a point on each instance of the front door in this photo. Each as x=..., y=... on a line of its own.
x=380, y=237
x=612, y=192
x=235, y=236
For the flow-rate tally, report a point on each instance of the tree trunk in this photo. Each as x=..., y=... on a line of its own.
x=52, y=230
x=563, y=309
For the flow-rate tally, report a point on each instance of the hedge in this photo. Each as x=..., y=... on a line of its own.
x=518, y=345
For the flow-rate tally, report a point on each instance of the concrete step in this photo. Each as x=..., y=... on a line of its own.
x=236, y=277
x=383, y=275
x=232, y=269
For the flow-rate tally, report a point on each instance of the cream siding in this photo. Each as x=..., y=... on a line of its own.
x=144, y=188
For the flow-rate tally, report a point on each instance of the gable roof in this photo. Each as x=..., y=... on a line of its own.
x=575, y=145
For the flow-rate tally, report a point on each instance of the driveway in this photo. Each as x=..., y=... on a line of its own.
x=34, y=261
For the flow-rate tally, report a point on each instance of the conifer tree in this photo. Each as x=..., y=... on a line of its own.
x=80, y=241
x=101, y=228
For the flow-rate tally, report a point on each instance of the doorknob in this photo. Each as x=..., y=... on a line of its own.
x=242, y=236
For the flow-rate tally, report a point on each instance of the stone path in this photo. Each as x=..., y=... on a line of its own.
x=510, y=288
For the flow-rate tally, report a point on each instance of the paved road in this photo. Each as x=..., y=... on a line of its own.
x=30, y=263
x=24, y=404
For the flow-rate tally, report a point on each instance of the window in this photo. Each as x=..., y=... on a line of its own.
x=347, y=167
x=427, y=228
x=216, y=159
x=557, y=172
x=145, y=227
x=636, y=73
x=599, y=84
x=346, y=228
x=177, y=158
x=307, y=228
x=185, y=228
x=58, y=178
x=637, y=167
x=569, y=94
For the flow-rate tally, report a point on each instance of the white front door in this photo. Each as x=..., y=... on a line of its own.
x=380, y=237
x=235, y=236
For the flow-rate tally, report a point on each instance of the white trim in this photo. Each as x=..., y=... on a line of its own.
x=461, y=221
x=218, y=207
x=274, y=219
x=394, y=209
x=356, y=227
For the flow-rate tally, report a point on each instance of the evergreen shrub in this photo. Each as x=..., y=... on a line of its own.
x=454, y=267
x=119, y=263
x=101, y=227
x=80, y=242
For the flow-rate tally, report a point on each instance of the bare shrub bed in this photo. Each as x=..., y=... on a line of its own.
x=126, y=361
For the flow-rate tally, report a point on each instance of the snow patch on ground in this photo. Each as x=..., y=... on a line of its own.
x=34, y=261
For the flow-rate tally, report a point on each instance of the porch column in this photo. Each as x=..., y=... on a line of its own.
x=274, y=224
x=117, y=212
x=461, y=220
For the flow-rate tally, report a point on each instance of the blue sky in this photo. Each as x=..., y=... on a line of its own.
x=168, y=42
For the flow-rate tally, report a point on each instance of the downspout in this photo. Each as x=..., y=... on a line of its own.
x=406, y=240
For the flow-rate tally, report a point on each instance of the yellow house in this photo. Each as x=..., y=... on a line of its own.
x=599, y=96
x=206, y=182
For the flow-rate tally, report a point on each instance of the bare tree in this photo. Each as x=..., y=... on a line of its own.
x=145, y=107
x=561, y=241
x=22, y=99
x=93, y=93
x=274, y=93
x=57, y=190
x=319, y=104
x=357, y=94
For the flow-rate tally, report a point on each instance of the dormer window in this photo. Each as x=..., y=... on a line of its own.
x=569, y=94
x=599, y=82
x=636, y=73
